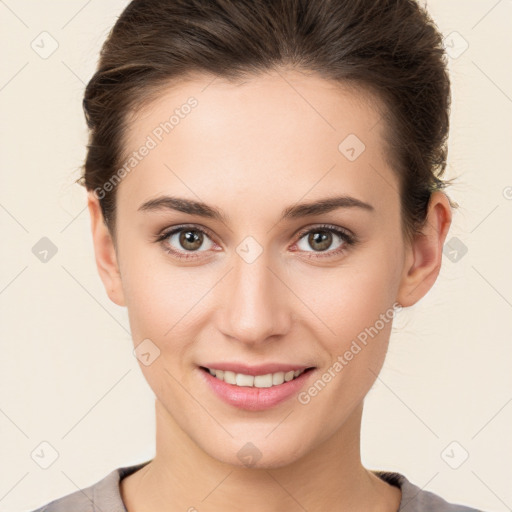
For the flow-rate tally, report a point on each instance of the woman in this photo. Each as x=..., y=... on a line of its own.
x=265, y=192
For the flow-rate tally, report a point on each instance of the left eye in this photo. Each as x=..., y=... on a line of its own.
x=321, y=239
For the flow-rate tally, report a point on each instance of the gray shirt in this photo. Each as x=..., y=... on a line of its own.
x=105, y=495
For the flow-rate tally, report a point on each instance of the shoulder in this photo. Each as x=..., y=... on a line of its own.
x=102, y=495
x=415, y=499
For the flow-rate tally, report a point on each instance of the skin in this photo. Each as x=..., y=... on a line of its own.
x=251, y=150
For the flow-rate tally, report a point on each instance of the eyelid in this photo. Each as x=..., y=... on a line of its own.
x=167, y=232
x=330, y=227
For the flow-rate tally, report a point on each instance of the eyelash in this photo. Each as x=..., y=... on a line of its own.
x=348, y=239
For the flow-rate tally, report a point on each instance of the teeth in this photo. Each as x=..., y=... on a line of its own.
x=244, y=380
x=289, y=376
x=258, y=381
x=277, y=378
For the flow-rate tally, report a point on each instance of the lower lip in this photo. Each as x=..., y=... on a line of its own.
x=255, y=399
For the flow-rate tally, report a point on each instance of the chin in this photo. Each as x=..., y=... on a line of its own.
x=258, y=453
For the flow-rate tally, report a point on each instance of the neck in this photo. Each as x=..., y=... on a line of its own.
x=182, y=476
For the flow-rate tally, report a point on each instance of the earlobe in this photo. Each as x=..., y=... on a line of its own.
x=105, y=253
x=424, y=256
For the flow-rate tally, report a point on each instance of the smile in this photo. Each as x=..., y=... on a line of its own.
x=258, y=381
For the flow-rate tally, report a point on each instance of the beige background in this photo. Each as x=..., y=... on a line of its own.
x=68, y=376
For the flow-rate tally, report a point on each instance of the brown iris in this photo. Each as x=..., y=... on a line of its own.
x=323, y=238
x=191, y=240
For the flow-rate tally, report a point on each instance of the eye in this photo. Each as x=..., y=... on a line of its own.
x=321, y=238
x=185, y=239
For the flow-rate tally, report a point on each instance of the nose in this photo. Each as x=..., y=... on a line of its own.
x=255, y=303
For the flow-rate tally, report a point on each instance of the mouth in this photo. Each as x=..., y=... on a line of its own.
x=267, y=380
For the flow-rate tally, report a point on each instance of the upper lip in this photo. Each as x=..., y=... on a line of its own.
x=260, y=369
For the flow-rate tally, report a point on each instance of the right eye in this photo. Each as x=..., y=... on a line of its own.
x=181, y=240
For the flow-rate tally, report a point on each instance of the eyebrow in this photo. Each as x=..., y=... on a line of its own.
x=296, y=211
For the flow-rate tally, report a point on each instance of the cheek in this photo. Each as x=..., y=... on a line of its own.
x=359, y=313
x=354, y=311
x=163, y=300
x=351, y=297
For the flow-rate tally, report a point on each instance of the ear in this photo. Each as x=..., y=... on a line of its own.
x=105, y=252
x=425, y=253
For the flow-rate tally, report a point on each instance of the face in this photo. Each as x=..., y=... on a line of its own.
x=266, y=280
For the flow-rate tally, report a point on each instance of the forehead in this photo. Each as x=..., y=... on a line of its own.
x=279, y=133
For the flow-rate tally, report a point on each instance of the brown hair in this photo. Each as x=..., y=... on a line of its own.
x=389, y=47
